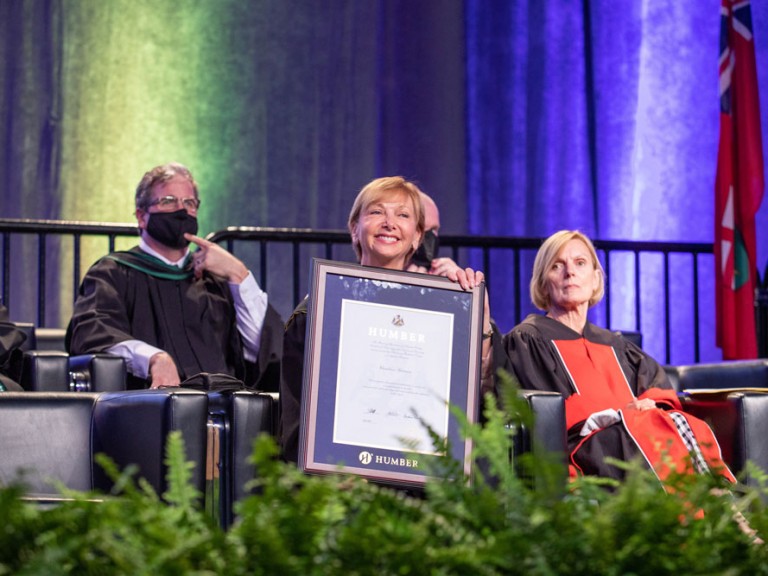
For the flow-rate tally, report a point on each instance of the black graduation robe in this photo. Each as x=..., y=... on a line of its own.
x=601, y=370
x=291, y=382
x=11, y=339
x=134, y=296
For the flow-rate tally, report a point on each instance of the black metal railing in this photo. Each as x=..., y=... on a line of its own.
x=279, y=258
x=488, y=244
x=24, y=230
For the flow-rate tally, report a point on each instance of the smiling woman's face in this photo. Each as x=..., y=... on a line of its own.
x=572, y=278
x=387, y=231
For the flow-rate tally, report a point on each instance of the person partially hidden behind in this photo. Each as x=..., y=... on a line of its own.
x=425, y=259
x=619, y=402
x=386, y=224
x=11, y=339
x=172, y=313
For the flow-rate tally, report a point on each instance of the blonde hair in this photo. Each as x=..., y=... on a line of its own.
x=546, y=256
x=374, y=191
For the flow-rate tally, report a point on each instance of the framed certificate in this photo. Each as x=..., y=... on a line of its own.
x=387, y=353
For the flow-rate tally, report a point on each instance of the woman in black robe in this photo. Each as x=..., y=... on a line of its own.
x=386, y=224
x=619, y=402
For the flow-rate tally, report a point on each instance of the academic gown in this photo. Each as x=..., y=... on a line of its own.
x=291, y=378
x=11, y=339
x=601, y=370
x=134, y=296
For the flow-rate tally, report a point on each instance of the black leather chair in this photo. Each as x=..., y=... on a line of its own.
x=235, y=420
x=97, y=373
x=548, y=433
x=42, y=338
x=719, y=375
x=45, y=371
x=740, y=423
x=52, y=437
x=50, y=339
x=547, y=438
x=46, y=367
x=738, y=417
x=54, y=371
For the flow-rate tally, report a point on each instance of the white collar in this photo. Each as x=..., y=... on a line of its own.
x=179, y=263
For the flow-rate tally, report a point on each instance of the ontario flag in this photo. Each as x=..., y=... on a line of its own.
x=739, y=184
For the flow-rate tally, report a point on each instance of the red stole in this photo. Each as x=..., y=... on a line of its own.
x=597, y=378
x=599, y=383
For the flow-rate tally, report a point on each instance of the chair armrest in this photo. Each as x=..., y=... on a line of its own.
x=728, y=374
x=132, y=427
x=235, y=420
x=546, y=441
x=97, y=373
x=50, y=339
x=548, y=431
x=740, y=423
x=45, y=371
x=48, y=435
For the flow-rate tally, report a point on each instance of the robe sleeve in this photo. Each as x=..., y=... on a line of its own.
x=490, y=385
x=291, y=381
x=647, y=372
x=265, y=374
x=100, y=316
x=11, y=339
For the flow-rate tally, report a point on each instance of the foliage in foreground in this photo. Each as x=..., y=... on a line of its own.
x=512, y=520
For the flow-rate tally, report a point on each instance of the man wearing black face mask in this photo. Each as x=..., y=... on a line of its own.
x=425, y=259
x=172, y=313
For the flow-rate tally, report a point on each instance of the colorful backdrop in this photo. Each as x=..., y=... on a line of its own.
x=520, y=118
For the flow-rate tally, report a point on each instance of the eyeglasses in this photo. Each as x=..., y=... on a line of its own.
x=171, y=202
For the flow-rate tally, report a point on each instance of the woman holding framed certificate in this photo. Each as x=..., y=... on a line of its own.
x=386, y=225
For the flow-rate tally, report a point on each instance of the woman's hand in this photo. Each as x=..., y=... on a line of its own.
x=641, y=405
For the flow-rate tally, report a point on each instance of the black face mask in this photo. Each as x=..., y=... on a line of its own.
x=427, y=250
x=168, y=228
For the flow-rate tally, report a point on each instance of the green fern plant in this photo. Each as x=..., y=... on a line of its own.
x=510, y=518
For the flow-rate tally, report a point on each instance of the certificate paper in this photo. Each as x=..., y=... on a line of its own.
x=394, y=372
x=387, y=354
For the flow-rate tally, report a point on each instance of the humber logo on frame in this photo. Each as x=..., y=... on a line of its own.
x=367, y=458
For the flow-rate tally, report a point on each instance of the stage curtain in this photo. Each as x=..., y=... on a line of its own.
x=602, y=116
x=519, y=117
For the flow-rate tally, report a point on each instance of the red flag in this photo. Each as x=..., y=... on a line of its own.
x=739, y=184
